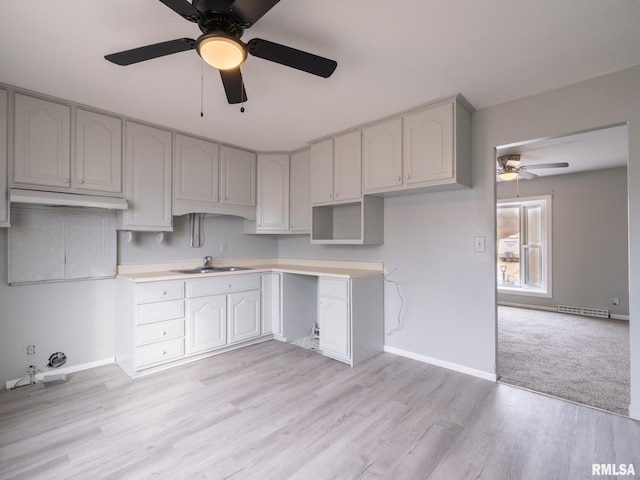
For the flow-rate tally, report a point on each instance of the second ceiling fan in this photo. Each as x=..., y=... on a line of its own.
x=222, y=23
x=511, y=168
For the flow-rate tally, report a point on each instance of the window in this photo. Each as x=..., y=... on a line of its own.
x=524, y=246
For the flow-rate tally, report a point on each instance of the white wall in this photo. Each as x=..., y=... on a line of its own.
x=590, y=238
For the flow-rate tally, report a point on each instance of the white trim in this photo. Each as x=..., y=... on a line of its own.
x=531, y=307
x=442, y=363
x=635, y=414
x=616, y=316
x=75, y=368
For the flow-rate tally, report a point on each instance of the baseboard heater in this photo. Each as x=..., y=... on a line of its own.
x=589, y=312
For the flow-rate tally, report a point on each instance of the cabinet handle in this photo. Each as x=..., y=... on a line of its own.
x=81, y=181
x=337, y=195
x=228, y=285
x=163, y=292
x=164, y=332
x=164, y=352
x=399, y=178
x=408, y=177
x=65, y=180
x=330, y=195
x=224, y=198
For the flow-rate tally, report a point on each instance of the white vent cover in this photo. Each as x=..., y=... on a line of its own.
x=589, y=312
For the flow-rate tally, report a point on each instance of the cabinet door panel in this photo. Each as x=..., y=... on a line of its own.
x=42, y=142
x=333, y=319
x=98, y=152
x=322, y=172
x=382, y=155
x=207, y=323
x=196, y=170
x=428, y=145
x=273, y=193
x=238, y=177
x=244, y=316
x=148, y=179
x=347, y=167
x=300, y=200
x=4, y=201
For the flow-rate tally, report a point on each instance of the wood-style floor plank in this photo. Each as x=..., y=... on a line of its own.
x=276, y=411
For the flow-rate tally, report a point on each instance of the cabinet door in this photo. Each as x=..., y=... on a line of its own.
x=238, y=177
x=148, y=178
x=347, y=167
x=195, y=170
x=428, y=146
x=4, y=194
x=42, y=136
x=244, y=315
x=300, y=199
x=333, y=320
x=382, y=155
x=322, y=172
x=206, y=323
x=98, y=152
x=273, y=193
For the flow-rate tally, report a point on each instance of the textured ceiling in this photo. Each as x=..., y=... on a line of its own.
x=391, y=56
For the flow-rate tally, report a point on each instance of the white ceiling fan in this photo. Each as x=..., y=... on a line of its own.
x=511, y=168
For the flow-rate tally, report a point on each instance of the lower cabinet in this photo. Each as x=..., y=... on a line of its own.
x=350, y=318
x=163, y=323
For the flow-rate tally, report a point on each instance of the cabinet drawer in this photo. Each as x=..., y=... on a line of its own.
x=227, y=283
x=333, y=287
x=159, y=291
x=155, y=312
x=155, y=332
x=159, y=352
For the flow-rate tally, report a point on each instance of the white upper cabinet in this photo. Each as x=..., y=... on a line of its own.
x=195, y=174
x=428, y=142
x=347, y=167
x=273, y=193
x=98, y=152
x=4, y=201
x=322, y=172
x=148, y=178
x=238, y=177
x=382, y=155
x=42, y=136
x=300, y=199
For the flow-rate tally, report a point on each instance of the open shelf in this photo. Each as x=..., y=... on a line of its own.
x=353, y=223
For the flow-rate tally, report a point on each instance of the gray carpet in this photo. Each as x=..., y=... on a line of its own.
x=582, y=359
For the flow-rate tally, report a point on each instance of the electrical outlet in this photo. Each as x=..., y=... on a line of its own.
x=223, y=247
x=29, y=350
x=616, y=301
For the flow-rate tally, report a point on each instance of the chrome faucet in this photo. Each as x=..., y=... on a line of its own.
x=206, y=260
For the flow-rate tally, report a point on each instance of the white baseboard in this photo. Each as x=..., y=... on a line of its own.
x=531, y=307
x=72, y=369
x=441, y=363
x=619, y=317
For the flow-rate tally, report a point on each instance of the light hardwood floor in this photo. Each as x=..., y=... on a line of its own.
x=275, y=411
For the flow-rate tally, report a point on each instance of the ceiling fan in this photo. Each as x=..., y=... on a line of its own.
x=222, y=23
x=511, y=168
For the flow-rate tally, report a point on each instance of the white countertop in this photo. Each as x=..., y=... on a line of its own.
x=318, y=268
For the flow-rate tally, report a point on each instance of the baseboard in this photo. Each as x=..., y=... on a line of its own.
x=616, y=316
x=531, y=307
x=441, y=363
x=633, y=413
x=72, y=369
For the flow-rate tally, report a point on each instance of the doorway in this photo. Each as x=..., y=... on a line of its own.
x=584, y=272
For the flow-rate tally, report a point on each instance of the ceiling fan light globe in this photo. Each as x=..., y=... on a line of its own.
x=507, y=176
x=221, y=52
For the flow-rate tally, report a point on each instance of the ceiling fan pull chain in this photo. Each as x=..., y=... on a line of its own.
x=202, y=88
x=243, y=92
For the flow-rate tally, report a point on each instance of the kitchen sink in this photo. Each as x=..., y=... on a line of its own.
x=197, y=270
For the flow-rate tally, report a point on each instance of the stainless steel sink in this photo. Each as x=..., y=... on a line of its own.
x=197, y=270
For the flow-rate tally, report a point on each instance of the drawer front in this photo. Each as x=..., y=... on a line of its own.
x=159, y=331
x=227, y=283
x=333, y=287
x=159, y=291
x=159, y=352
x=155, y=312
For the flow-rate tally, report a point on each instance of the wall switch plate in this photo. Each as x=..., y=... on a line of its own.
x=479, y=244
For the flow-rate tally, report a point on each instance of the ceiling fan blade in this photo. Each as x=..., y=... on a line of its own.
x=140, y=54
x=307, y=62
x=250, y=11
x=183, y=8
x=524, y=175
x=545, y=165
x=233, y=85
